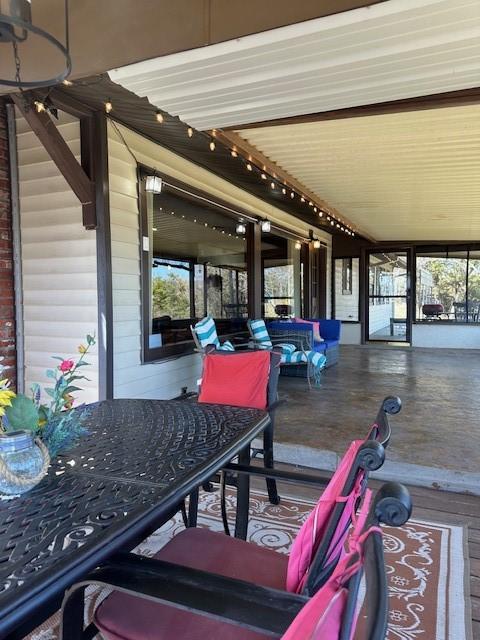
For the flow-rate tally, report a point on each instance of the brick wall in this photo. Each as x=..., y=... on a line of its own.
x=7, y=302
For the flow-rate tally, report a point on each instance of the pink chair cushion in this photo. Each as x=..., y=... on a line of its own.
x=124, y=617
x=314, y=528
x=321, y=618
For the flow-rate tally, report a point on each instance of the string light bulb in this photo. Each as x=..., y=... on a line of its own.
x=212, y=145
x=39, y=106
x=233, y=153
x=284, y=191
x=272, y=184
x=189, y=132
x=159, y=116
x=302, y=199
x=263, y=176
x=298, y=245
x=249, y=166
x=108, y=106
x=315, y=209
x=67, y=83
x=320, y=214
x=292, y=194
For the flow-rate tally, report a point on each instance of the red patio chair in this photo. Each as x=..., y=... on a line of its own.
x=188, y=592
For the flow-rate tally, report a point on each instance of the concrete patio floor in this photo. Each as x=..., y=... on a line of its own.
x=436, y=436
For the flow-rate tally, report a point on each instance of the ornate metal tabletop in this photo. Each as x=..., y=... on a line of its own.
x=124, y=479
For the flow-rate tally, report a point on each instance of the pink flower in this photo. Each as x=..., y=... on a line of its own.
x=66, y=365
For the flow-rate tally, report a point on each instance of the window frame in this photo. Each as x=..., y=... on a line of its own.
x=333, y=290
x=435, y=250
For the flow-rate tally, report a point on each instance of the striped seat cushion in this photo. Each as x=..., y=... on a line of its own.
x=207, y=332
x=226, y=346
x=259, y=333
x=316, y=359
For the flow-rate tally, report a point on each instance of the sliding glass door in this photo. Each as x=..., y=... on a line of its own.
x=388, y=317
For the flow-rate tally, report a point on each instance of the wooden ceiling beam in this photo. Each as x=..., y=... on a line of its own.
x=465, y=97
x=247, y=150
x=59, y=151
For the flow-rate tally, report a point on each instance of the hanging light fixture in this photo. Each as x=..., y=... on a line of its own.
x=17, y=28
x=265, y=226
x=298, y=245
x=153, y=184
x=317, y=244
x=241, y=229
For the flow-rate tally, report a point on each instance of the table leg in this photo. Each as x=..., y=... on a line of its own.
x=243, y=496
x=268, y=462
x=193, y=508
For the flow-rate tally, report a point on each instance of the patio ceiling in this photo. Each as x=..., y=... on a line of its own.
x=393, y=50
x=399, y=176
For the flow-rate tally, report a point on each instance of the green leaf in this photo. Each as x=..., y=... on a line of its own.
x=22, y=414
x=71, y=388
x=58, y=358
x=50, y=373
x=83, y=364
x=51, y=392
x=90, y=339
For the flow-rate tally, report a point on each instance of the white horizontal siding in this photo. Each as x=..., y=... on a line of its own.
x=59, y=263
x=163, y=379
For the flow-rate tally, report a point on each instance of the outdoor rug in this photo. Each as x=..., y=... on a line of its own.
x=426, y=565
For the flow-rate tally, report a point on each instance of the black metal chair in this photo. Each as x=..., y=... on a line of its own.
x=177, y=600
x=268, y=435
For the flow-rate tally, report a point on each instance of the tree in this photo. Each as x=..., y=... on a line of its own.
x=171, y=296
x=449, y=279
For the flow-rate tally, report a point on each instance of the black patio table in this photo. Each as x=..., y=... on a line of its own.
x=126, y=478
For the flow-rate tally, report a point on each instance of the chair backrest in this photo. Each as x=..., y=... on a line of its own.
x=319, y=543
x=258, y=332
x=333, y=612
x=275, y=358
x=205, y=333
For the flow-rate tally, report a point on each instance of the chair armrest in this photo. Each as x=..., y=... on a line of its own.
x=277, y=474
x=259, y=609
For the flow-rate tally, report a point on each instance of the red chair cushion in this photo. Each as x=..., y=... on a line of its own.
x=239, y=379
x=124, y=617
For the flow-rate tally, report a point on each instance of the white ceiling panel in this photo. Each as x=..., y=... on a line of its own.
x=392, y=50
x=403, y=176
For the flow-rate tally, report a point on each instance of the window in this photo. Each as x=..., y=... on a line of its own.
x=282, y=270
x=448, y=286
x=193, y=264
x=346, y=276
x=346, y=288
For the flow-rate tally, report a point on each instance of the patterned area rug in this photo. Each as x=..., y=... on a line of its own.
x=427, y=570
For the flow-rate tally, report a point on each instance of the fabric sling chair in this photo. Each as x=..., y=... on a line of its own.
x=204, y=333
x=318, y=545
x=182, y=596
x=293, y=352
x=207, y=550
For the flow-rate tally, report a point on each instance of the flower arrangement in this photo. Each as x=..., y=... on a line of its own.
x=57, y=423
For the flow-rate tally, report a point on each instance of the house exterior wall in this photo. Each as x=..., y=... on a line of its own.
x=164, y=379
x=7, y=299
x=59, y=268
